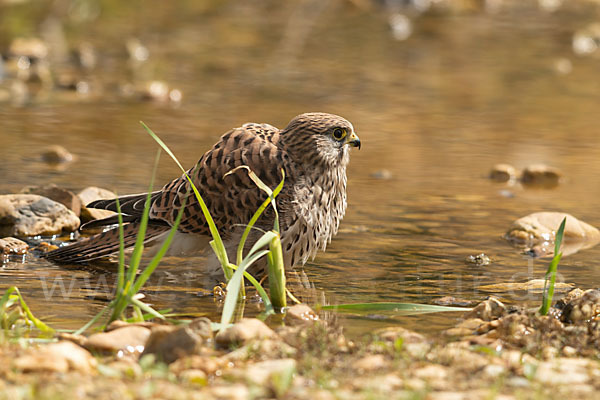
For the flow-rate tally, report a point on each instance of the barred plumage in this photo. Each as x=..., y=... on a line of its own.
x=313, y=152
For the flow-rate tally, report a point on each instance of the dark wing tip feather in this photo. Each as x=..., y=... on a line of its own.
x=103, y=244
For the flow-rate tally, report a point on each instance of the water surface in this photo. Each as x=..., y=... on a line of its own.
x=436, y=111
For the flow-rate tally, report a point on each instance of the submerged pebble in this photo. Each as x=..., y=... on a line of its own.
x=479, y=259
x=56, y=154
x=503, y=173
x=540, y=175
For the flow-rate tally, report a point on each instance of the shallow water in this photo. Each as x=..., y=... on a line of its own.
x=466, y=90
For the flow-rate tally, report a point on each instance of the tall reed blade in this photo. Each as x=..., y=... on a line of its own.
x=276, y=272
x=550, y=278
x=218, y=247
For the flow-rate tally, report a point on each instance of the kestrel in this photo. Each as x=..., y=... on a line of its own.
x=313, y=150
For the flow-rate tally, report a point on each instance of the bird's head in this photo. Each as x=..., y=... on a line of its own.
x=320, y=137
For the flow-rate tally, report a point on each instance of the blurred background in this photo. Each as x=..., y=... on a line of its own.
x=438, y=90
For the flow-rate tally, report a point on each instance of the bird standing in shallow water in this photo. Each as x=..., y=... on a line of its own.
x=313, y=150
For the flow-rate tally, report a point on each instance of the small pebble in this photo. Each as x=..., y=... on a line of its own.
x=479, y=259
x=503, y=173
x=540, y=175
x=56, y=154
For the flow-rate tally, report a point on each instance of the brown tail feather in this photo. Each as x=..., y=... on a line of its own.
x=103, y=244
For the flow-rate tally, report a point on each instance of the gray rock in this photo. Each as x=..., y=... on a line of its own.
x=60, y=195
x=11, y=245
x=31, y=215
x=169, y=343
x=246, y=330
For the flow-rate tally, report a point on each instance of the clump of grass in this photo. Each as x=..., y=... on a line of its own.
x=128, y=286
x=14, y=311
x=550, y=278
x=128, y=283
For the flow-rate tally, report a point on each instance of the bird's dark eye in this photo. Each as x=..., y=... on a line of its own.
x=339, y=133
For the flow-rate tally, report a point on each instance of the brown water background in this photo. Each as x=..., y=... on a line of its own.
x=470, y=87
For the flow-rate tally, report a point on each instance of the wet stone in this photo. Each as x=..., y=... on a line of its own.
x=57, y=155
x=541, y=175
x=503, y=173
x=382, y=174
x=300, y=314
x=246, y=330
x=131, y=339
x=93, y=193
x=479, y=259
x=487, y=310
x=452, y=301
x=13, y=246
x=32, y=215
x=169, y=343
x=536, y=233
x=533, y=286
x=60, y=195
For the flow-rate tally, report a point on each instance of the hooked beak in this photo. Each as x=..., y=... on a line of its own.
x=353, y=140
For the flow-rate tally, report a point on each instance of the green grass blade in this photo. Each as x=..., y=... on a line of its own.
x=399, y=308
x=146, y=308
x=550, y=278
x=234, y=286
x=271, y=193
x=92, y=321
x=263, y=241
x=145, y=275
x=138, y=249
x=121, y=268
x=6, y=300
x=218, y=247
x=276, y=272
x=261, y=291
